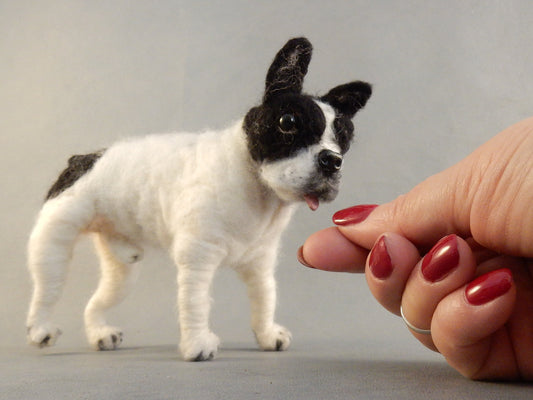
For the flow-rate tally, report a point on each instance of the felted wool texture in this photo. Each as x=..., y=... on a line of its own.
x=210, y=199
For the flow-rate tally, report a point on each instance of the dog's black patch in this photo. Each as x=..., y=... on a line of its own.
x=78, y=166
x=267, y=130
x=288, y=120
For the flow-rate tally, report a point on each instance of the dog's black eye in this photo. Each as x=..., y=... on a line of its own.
x=287, y=123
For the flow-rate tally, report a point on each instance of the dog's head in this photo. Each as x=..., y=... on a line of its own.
x=297, y=140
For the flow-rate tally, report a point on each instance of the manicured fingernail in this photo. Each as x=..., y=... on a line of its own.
x=301, y=259
x=379, y=260
x=353, y=215
x=489, y=286
x=441, y=259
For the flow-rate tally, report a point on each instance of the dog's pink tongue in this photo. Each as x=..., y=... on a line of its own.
x=312, y=201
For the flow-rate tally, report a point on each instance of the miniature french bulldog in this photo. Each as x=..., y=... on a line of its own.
x=217, y=198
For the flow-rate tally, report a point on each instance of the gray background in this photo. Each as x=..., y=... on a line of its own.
x=78, y=75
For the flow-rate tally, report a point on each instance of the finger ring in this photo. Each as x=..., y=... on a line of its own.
x=412, y=327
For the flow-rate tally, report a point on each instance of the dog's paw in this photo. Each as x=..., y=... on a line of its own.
x=104, y=337
x=278, y=338
x=43, y=335
x=201, y=347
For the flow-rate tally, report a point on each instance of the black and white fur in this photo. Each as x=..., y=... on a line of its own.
x=210, y=199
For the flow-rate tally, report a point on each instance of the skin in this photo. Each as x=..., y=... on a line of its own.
x=486, y=200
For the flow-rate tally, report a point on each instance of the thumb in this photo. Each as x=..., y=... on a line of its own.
x=486, y=196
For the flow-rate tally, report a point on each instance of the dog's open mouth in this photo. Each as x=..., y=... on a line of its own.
x=315, y=196
x=312, y=201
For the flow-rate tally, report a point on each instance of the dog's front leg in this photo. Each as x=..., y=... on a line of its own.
x=196, y=269
x=261, y=284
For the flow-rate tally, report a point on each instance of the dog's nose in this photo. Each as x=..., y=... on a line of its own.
x=329, y=161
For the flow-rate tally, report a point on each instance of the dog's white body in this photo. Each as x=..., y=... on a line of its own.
x=204, y=199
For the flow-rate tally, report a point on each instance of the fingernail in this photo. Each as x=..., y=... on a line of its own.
x=441, y=259
x=353, y=215
x=489, y=286
x=301, y=259
x=379, y=261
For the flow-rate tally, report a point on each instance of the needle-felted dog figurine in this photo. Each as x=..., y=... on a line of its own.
x=211, y=199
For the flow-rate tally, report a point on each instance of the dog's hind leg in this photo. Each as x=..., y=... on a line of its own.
x=49, y=251
x=118, y=274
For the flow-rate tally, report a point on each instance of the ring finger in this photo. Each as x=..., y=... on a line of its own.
x=448, y=266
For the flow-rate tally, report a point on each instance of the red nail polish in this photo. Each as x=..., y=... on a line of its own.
x=489, y=286
x=379, y=261
x=441, y=259
x=301, y=259
x=353, y=215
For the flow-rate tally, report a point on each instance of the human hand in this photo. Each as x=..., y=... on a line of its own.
x=476, y=294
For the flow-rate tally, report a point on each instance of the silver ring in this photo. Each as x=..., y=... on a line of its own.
x=412, y=327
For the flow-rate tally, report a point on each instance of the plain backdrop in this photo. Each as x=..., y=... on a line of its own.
x=77, y=75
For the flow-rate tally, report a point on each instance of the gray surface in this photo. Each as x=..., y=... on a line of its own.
x=78, y=75
x=240, y=373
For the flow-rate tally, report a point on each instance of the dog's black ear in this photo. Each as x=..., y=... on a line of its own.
x=286, y=74
x=349, y=98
